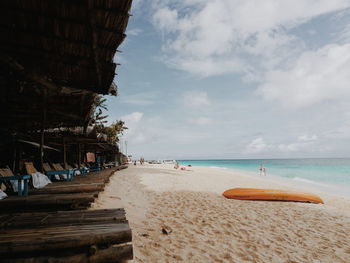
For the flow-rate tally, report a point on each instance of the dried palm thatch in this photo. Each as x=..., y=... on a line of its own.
x=54, y=57
x=67, y=43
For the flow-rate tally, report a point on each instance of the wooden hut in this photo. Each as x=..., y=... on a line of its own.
x=55, y=57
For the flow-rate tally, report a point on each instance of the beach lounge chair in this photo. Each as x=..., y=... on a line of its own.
x=94, y=168
x=51, y=173
x=82, y=168
x=6, y=176
x=76, y=171
x=69, y=173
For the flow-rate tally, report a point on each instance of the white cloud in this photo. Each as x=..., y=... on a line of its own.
x=304, y=142
x=258, y=145
x=132, y=121
x=132, y=118
x=195, y=99
x=134, y=32
x=211, y=37
x=143, y=98
x=340, y=132
x=142, y=130
x=201, y=121
x=345, y=34
x=307, y=138
x=316, y=76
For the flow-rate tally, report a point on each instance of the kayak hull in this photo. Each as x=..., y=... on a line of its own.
x=271, y=195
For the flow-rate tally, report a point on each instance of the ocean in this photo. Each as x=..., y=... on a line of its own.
x=322, y=172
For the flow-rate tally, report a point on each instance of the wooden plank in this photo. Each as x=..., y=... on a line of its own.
x=47, y=202
x=112, y=254
x=62, y=238
x=68, y=218
x=62, y=189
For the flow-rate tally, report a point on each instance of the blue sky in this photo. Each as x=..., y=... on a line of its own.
x=235, y=79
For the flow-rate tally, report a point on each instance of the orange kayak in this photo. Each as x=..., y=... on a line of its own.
x=271, y=195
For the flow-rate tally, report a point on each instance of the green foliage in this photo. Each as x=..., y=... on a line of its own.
x=99, y=118
x=99, y=106
x=113, y=131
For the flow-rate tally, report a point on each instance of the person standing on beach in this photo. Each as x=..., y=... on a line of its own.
x=261, y=169
x=264, y=169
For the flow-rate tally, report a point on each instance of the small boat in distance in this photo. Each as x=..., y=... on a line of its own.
x=271, y=195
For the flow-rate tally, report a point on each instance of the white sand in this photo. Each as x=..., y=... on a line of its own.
x=207, y=227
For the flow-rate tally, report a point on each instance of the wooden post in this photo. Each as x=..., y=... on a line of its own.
x=42, y=130
x=95, y=152
x=64, y=154
x=14, y=151
x=79, y=155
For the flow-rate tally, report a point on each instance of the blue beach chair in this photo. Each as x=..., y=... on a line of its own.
x=59, y=170
x=6, y=176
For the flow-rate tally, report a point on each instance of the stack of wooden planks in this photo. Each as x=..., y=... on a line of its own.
x=65, y=236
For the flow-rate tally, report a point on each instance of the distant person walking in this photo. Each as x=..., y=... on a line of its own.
x=262, y=170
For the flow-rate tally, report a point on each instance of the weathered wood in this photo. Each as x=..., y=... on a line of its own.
x=64, y=153
x=69, y=189
x=62, y=238
x=42, y=135
x=68, y=218
x=79, y=154
x=47, y=202
x=113, y=254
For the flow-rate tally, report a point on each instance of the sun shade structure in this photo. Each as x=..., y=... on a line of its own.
x=61, y=43
x=55, y=56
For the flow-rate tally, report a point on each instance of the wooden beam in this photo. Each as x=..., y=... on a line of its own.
x=39, y=13
x=35, y=52
x=111, y=254
x=36, y=34
x=33, y=76
x=56, y=59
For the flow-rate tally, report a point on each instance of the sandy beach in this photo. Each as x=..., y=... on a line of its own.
x=181, y=216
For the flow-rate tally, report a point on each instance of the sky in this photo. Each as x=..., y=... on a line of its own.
x=232, y=79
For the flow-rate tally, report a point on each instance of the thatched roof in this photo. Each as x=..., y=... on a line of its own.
x=23, y=109
x=54, y=57
x=65, y=43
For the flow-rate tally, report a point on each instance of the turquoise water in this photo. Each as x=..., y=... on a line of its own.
x=333, y=171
